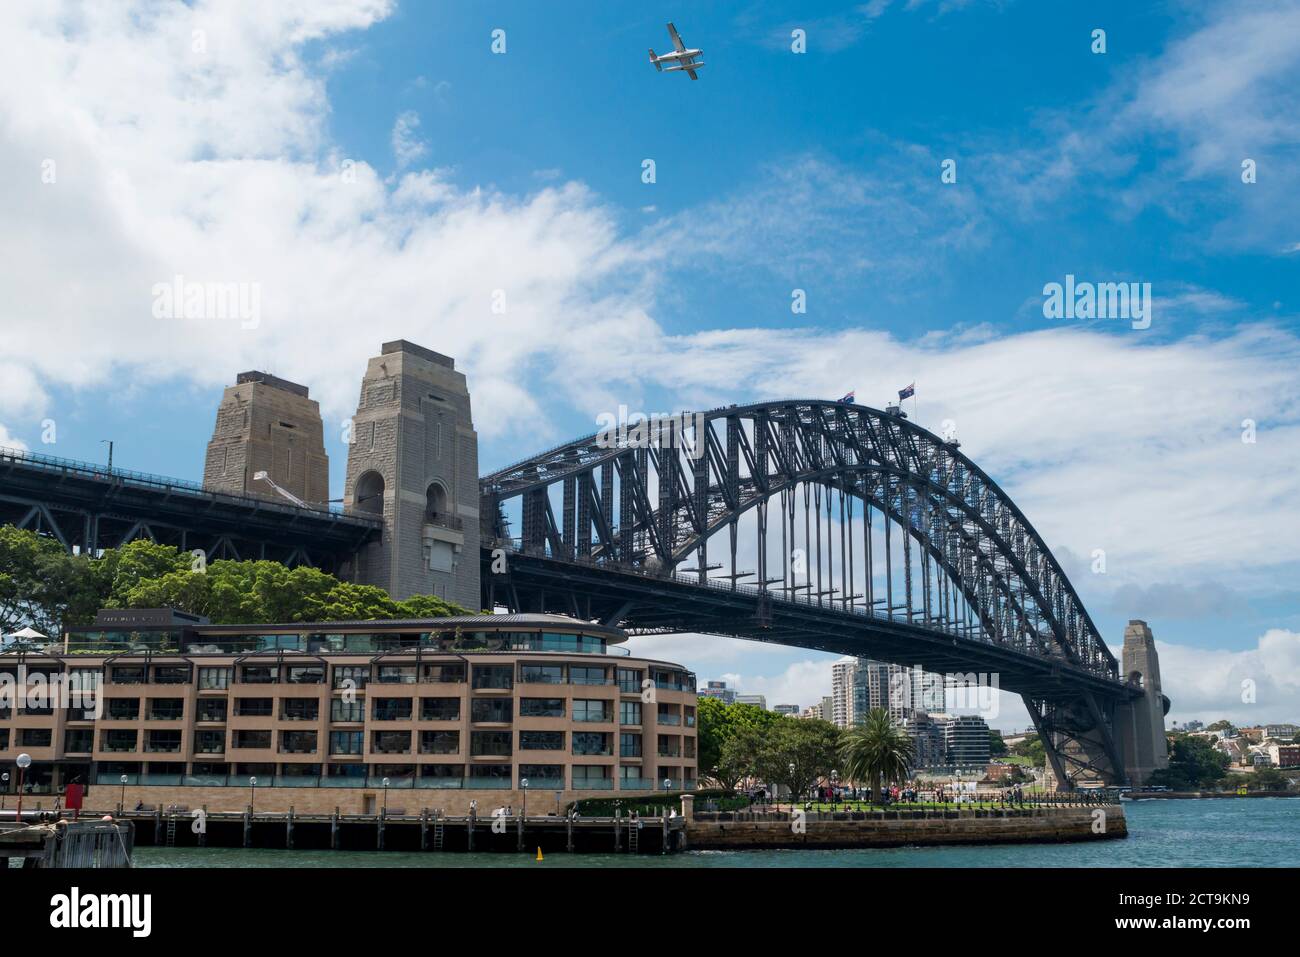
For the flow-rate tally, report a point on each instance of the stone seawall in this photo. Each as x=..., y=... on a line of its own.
x=907, y=828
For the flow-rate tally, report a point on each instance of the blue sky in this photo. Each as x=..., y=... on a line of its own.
x=775, y=171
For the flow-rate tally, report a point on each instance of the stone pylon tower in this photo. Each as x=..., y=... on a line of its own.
x=413, y=458
x=1140, y=724
x=268, y=424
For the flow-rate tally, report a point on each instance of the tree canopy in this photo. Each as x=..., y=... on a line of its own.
x=44, y=586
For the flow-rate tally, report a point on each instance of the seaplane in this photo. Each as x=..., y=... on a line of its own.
x=680, y=59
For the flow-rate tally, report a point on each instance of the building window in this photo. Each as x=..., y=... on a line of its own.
x=166, y=709
x=79, y=740
x=351, y=676
x=210, y=742
x=448, y=673
x=542, y=776
x=629, y=680
x=541, y=740
x=585, y=774
x=127, y=676
x=253, y=707
x=341, y=710
x=307, y=674
x=590, y=742
x=171, y=674
x=118, y=740
x=392, y=709
x=211, y=709
x=669, y=746
x=123, y=709
x=397, y=674
x=298, y=742
x=586, y=675
x=259, y=675
x=300, y=709
x=500, y=677
x=217, y=679
x=391, y=742
x=491, y=710
x=36, y=737
x=251, y=739
x=439, y=709
x=167, y=741
x=590, y=710
x=541, y=674
x=629, y=712
x=490, y=743
x=541, y=707
x=439, y=742
x=346, y=742
x=629, y=745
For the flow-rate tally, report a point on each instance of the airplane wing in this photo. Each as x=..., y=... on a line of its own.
x=692, y=74
x=678, y=45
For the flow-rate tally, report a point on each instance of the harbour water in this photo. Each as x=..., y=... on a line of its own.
x=1254, y=832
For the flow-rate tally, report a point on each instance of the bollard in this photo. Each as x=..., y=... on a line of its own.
x=519, y=832
x=379, y=828
x=288, y=829
x=469, y=823
x=424, y=829
x=248, y=826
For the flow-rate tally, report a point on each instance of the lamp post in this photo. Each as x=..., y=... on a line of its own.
x=109, y=443
x=4, y=792
x=252, y=792
x=523, y=783
x=121, y=805
x=792, y=794
x=835, y=777
x=24, y=761
x=385, y=797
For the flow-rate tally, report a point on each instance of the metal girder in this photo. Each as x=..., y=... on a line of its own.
x=985, y=551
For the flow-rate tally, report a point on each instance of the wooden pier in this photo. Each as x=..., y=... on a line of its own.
x=65, y=843
x=427, y=831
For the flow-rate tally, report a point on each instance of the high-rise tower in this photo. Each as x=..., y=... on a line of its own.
x=268, y=424
x=413, y=458
x=1140, y=724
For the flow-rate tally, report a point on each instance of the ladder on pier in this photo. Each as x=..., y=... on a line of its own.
x=439, y=830
x=633, y=833
x=171, y=830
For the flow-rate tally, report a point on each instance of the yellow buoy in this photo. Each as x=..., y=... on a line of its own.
x=539, y=854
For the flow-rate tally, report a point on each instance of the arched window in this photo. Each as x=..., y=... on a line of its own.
x=435, y=504
x=368, y=495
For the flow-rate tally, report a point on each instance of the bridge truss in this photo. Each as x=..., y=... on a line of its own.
x=887, y=540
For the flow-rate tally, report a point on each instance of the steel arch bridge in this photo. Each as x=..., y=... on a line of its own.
x=862, y=533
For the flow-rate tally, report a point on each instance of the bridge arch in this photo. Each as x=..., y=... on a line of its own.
x=658, y=505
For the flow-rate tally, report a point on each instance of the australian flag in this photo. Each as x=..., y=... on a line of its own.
x=849, y=399
x=907, y=393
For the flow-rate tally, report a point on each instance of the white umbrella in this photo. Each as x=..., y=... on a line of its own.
x=28, y=632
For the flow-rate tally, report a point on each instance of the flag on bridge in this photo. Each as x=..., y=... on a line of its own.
x=850, y=398
x=906, y=393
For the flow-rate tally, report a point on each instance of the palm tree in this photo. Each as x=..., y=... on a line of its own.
x=877, y=750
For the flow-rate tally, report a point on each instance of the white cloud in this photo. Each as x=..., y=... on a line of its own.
x=407, y=146
x=1211, y=684
x=9, y=441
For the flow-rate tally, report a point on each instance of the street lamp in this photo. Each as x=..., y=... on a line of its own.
x=792, y=794
x=121, y=805
x=523, y=783
x=252, y=791
x=4, y=792
x=24, y=761
x=385, y=797
x=835, y=777
x=109, y=443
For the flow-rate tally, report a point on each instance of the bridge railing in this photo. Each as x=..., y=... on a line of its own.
x=55, y=465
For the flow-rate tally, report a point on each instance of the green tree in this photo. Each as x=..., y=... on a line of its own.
x=1032, y=748
x=1223, y=725
x=1268, y=779
x=797, y=751
x=41, y=585
x=877, y=751
x=718, y=723
x=997, y=747
x=1193, y=763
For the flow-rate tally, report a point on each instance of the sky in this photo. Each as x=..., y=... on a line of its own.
x=918, y=175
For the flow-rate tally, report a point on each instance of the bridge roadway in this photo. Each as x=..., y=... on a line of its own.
x=649, y=603
x=92, y=507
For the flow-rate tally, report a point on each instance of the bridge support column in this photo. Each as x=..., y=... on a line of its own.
x=1140, y=722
